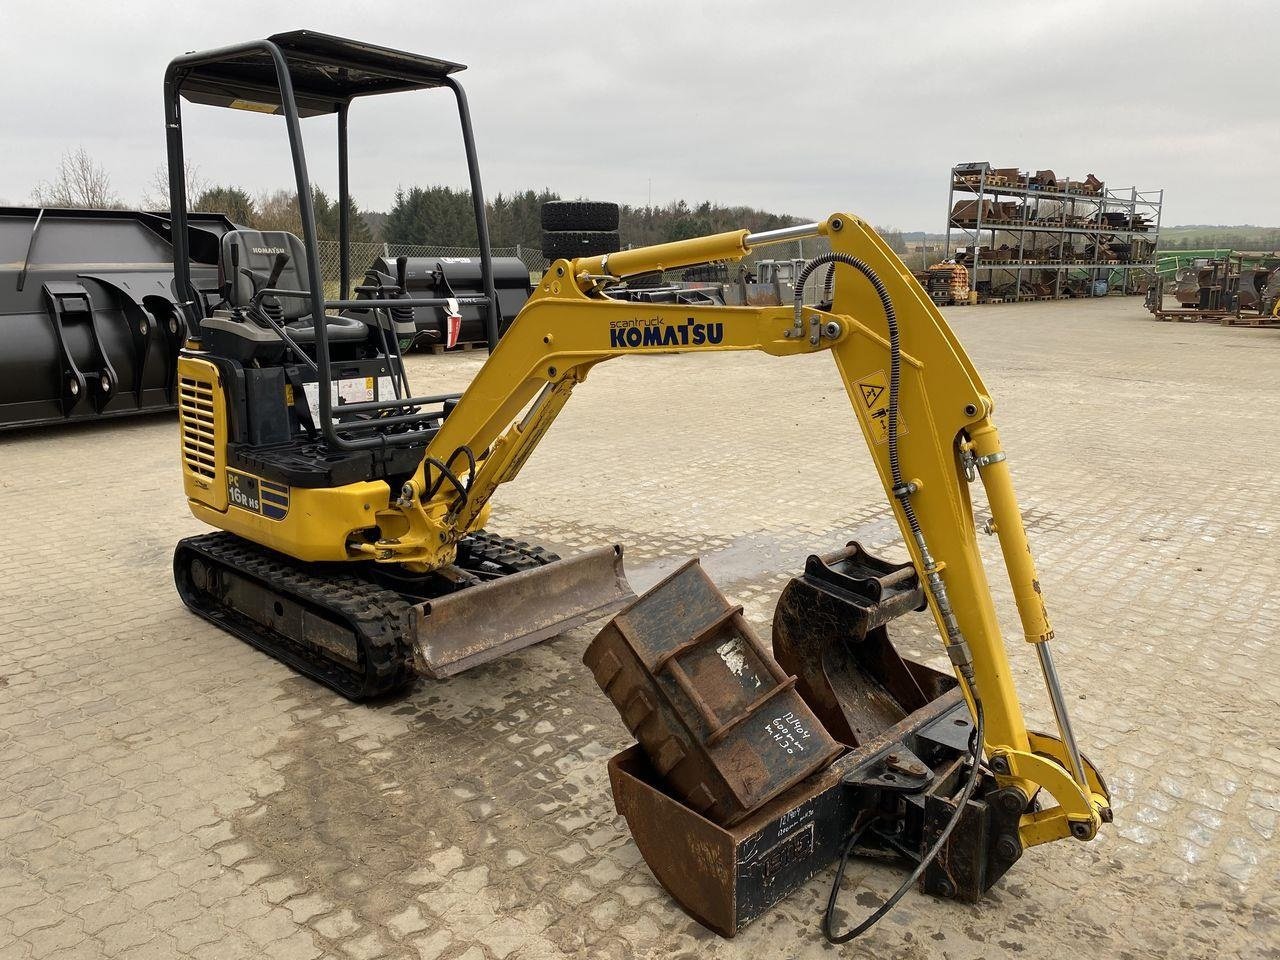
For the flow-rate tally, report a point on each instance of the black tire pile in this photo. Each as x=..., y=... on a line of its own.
x=579, y=228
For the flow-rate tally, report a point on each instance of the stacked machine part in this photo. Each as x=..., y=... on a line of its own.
x=1037, y=236
x=948, y=283
x=1233, y=289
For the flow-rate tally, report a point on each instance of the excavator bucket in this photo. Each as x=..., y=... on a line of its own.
x=481, y=623
x=901, y=729
x=89, y=326
x=830, y=631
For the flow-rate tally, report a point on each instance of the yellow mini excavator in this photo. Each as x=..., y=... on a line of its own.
x=351, y=512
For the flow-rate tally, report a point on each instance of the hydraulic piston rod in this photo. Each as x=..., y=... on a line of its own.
x=783, y=234
x=994, y=470
x=683, y=253
x=1059, y=704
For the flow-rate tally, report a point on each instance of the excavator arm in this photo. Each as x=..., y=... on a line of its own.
x=923, y=410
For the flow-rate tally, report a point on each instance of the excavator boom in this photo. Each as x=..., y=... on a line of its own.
x=945, y=440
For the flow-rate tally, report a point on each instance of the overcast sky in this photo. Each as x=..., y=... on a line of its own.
x=804, y=108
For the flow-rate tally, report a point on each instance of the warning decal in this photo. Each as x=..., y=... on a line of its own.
x=874, y=391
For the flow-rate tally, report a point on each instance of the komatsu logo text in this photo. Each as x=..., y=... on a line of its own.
x=655, y=333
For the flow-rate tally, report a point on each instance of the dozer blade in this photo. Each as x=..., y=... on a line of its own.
x=481, y=623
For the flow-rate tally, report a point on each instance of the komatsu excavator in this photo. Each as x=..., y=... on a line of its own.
x=352, y=510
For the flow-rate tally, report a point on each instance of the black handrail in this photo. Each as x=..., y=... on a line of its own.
x=344, y=201
x=369, y=405
x=377, y=423
x=374, y=303
x=482, y=219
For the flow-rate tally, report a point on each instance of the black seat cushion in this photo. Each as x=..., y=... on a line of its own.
x=247, y=260
x=337, y=328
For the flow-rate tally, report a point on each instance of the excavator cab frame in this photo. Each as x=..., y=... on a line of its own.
x=300, y=74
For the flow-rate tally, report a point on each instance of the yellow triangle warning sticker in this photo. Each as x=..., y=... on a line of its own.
x=874, y=391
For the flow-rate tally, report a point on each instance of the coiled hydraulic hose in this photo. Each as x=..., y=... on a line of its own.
x=961, y=801
x=957, y=648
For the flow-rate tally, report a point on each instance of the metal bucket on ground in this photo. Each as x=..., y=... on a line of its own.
x=908, y=727
x=714, y=712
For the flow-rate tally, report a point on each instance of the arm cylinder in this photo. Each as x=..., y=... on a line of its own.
x=685, y=253
x=1012, y=536
x=665, y=256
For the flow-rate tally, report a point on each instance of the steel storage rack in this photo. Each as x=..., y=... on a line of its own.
x=1029, y=236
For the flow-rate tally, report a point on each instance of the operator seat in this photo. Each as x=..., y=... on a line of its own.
x=245, y=264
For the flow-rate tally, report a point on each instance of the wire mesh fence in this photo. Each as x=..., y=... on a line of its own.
x=363, y=256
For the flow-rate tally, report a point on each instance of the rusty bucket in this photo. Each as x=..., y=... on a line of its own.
x=716, y=715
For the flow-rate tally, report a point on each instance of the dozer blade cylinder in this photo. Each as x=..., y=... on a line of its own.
x=481, y=623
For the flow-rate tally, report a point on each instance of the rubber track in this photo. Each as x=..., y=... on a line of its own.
x=382, y=618
x=511, y=556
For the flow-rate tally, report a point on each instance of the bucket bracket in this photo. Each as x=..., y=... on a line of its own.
x=67, y=301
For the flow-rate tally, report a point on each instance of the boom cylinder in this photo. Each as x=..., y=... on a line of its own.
x=733, y=245
x=665, y=256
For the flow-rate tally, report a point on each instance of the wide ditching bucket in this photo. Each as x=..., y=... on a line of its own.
x=481, y=623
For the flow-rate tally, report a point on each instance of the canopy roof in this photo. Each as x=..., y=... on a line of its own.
x=327, y=72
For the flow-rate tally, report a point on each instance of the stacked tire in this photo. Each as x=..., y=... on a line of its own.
x=579, y=228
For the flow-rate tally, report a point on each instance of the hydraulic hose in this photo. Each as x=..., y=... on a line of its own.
x=957, y=647
x=961, y=801
x=895, y=356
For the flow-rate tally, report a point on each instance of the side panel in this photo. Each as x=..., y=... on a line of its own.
x=202, y=431
x=315, y=525
x=309, y=524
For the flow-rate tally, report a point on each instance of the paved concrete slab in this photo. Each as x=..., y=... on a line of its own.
x=166, y=791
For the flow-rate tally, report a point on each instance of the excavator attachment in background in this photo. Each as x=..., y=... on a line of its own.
x=90, y=326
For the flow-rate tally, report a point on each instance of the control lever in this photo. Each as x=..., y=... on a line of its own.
x=402, y=274
x=228, y=282
x=277, y=268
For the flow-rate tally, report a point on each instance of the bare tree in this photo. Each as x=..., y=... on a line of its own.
x=155, y=195
x=893, y=237
x=81, y=182
x=278, y=211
